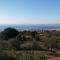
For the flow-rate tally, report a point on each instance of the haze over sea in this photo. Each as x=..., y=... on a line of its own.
x=31, y=26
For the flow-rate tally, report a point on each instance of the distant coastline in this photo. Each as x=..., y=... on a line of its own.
x=31, y=27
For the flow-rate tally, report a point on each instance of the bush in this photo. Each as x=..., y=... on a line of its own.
x=6, y=57
x=14, y=44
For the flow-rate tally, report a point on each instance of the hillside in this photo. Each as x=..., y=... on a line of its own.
x=43, y=42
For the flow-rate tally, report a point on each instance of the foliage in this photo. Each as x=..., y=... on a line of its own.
x=14, y=44
x=20, y=38
x=34, y=33
x=51, y=42
x=8, y=33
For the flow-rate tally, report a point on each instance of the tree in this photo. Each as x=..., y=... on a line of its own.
x=20, y=37
x=34, y=33
x=34, y=44
x=8, y=33
x=51, y=43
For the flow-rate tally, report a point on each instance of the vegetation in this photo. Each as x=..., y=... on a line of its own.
x=8, y=33
x=28, y=45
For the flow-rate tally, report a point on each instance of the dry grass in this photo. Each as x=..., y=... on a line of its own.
x=31, y=55
x=54, y=58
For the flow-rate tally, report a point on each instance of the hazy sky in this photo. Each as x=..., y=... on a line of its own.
x=29, y=11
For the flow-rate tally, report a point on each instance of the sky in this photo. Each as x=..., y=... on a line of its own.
x=29, y=11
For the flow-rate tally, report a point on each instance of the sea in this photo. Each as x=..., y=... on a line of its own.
x=22, y=27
